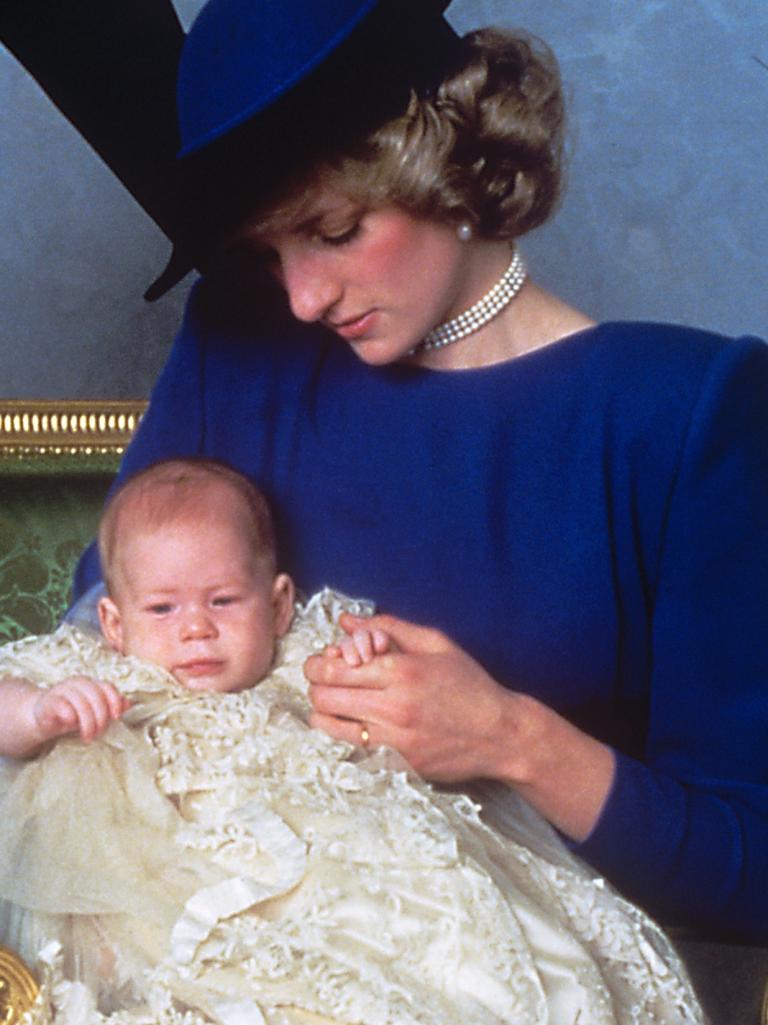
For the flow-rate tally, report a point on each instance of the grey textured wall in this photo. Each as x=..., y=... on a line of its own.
x=665, y=217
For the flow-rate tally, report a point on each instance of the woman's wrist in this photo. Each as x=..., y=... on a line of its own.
x=561, y=771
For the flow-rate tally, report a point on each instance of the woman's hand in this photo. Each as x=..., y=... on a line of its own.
x=423, y=696
x=437, y=706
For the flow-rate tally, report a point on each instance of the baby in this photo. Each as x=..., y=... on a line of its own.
x=209, y=858
x=188, y=553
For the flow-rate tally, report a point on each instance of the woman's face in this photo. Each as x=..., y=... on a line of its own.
x=380, y=278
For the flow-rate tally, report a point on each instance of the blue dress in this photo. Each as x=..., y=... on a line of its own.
x=589, y=520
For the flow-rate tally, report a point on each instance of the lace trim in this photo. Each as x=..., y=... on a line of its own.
x=346, y=887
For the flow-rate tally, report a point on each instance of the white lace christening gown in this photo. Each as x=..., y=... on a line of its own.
x=212, y=859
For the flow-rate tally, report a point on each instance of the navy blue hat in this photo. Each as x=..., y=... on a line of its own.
x=242, y=56
x=267, y=86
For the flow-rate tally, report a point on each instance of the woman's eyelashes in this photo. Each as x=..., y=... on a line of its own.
x=340, y=238
x=269, y=258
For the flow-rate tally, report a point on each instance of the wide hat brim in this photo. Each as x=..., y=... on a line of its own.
x=266, y=87
x=241, y=56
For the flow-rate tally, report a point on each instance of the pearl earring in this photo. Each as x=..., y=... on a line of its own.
x=464, y=231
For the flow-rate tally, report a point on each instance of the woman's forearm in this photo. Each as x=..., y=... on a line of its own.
x=564, y=773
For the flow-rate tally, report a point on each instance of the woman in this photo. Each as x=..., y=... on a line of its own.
x=575, y=511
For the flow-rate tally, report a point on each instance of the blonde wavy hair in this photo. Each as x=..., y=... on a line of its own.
x=487, y=146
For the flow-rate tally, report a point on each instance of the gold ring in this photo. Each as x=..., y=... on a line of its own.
x=365, y=737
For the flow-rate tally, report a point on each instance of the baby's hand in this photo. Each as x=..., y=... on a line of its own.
x=78, y=705
x=361, y=646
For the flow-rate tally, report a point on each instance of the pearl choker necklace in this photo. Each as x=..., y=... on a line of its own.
x=477, y=316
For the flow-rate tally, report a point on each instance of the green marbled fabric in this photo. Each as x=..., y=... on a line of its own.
x=45, y=522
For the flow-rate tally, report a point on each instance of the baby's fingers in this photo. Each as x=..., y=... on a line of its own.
x=117, y=703
x=350, y=652
x=54, y=715
x=93, y=713
x=361, y=646
x=65, y=712
x=79, y=705
x=99, y=704
x=381, y=641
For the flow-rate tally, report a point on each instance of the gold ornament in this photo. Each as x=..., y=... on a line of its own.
x=18, y=987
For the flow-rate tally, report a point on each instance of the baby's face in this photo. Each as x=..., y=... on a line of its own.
x=192, y=598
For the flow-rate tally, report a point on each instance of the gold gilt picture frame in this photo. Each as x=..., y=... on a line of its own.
x=18, y=988
x=76, y=436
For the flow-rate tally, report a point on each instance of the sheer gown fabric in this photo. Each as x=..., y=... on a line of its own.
x=212, y=859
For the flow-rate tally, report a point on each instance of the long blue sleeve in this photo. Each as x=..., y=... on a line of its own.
x=692, y=822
